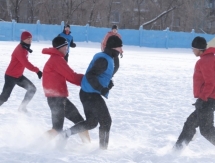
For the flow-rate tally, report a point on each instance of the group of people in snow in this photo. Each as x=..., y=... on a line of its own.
x=97, y=82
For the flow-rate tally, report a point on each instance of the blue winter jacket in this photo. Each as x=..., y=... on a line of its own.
x=69, y=39
x=103, y=78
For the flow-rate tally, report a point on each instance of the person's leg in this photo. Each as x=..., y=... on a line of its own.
x=66, y=57
x=57, y=106
x=91, y=121
x=105, y=121
x=206, y=121
x=7, y=89
x=188, y=130
x=72, y=113
x=31, y=89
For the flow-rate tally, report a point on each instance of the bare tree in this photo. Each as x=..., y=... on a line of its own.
x=14, y=9
x=33, y=9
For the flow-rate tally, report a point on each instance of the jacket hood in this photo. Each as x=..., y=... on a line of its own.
x=210, y=50
x=52, y=51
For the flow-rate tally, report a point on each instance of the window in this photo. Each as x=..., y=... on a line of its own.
x=211, y=4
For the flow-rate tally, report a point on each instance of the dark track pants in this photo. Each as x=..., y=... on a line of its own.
x=202, y=118
x=96, y=111
x=23, y=82
x=61, y=107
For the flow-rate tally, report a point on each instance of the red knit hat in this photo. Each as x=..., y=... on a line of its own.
x=26, y=35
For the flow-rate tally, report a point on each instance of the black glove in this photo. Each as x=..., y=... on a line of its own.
x=110, y=85
x=40, y=74
x=104, y=91
x=199, y=103
x=73, y=45
x=121, y=55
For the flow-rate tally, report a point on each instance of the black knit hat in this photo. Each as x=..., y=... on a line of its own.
x=199, y=43
x=114, y=27
x=59, y=42
x=67, y=26
x=113, y=42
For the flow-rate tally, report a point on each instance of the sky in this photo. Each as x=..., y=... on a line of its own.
x=149, y=103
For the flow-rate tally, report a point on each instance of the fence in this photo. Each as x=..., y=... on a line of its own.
x=11, y=31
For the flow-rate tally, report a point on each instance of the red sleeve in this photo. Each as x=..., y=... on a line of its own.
x=23, y=59
x=207, y=69
x=103, y=44
x=71, y=76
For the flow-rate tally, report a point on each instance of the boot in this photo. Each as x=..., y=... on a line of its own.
x=103, y=139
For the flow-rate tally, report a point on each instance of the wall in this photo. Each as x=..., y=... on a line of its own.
x=11, y=31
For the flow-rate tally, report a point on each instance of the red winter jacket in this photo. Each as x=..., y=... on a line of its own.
x=204, y=76
x=19, y=61
x=104, y=42
x=55, y=74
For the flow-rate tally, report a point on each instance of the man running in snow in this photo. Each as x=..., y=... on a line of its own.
x=204, y=91
x=14, y=73
x=55, y=74
x=95, y=84
x=113, y=32
x=67, y=35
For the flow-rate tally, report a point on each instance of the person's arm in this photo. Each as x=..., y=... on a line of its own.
x=63, y=68
x=104, y=42
x=72, y=44
x=22, y=57
x=116, y=65
x=98, y=68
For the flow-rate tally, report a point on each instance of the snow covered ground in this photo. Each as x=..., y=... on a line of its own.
x=149, y=103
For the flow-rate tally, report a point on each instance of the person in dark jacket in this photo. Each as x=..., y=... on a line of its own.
x=67, y=35
x=14, y=73
x=113, y=32
x=56, y=73
x=204, y=91
x=95, y=84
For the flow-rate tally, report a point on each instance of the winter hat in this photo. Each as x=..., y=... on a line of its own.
x=114, y=27
x=67, y=26
x=199, y=43
x=59, y=42
x=113, y=42
x=25, y=35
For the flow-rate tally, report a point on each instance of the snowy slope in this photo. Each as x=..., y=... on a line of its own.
x=149, y=103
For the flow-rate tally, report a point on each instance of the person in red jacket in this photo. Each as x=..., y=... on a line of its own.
x=55, y=74
x=113, y=32
x=14, y=73
x=204, y=91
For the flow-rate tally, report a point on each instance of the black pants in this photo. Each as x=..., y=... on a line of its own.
x=202, y=118
x=96, y=112
x=66, y=57
x=23, y=82
x=61, y=107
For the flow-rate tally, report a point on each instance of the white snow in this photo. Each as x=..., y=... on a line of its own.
x=149, y=103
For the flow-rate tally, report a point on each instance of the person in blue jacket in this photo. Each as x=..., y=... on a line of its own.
x=95, y=84
x=67, y=35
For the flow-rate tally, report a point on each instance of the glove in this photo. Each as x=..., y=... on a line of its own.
x=40, y=74
x=104, y=91
x=110, y=85
x=199, y=104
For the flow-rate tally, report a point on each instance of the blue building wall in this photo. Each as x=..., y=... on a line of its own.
x=11, y=31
